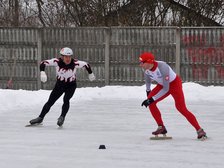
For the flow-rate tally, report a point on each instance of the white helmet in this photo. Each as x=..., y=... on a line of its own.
x=66, y=51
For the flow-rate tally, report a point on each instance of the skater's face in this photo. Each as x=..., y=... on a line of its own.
x=145, y=65
x=67, y=59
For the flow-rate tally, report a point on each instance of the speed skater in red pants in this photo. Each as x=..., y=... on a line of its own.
x=168, y=83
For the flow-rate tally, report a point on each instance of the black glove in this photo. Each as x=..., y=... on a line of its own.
x=147, y=102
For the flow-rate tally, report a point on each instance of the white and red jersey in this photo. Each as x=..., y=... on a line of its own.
x=65, y=72
x=162, y=74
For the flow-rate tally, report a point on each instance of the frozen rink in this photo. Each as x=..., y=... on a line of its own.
x=111, y=116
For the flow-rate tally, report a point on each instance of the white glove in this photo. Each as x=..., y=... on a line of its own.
x=92, y=77
x=43, y=76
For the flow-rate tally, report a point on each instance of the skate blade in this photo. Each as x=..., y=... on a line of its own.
x=164, y=137
x=60, y=127
x=33, y=125
x=203, y=138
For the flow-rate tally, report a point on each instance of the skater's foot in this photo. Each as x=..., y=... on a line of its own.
x=201, y=133
x=61, y=120
x=160, y=130
x=37, y=120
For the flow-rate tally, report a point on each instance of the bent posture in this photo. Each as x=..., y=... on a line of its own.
x=66, y=68
x=168, y=83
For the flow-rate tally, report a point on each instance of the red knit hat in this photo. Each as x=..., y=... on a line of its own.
x=147, y=57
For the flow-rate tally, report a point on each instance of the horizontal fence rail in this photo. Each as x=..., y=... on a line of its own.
x=197, y=54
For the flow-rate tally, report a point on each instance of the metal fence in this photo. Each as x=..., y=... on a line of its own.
x=196, y=54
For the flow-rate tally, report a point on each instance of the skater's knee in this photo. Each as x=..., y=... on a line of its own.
x=66, y=102
x=182, y=110
x=49, y=104
x=153, y=105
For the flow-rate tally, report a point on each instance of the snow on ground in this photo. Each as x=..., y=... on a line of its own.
x=112, y=116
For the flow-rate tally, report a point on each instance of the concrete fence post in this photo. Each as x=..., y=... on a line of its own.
x=107, y=55
x=178, y=31
x=39, y=55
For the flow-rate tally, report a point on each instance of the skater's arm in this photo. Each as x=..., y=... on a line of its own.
x=148, y=82
x=51, y=62
x=88, y=68
x=81, y=64
x=165, y=71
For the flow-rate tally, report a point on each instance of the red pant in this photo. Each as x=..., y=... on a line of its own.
x=177, y=93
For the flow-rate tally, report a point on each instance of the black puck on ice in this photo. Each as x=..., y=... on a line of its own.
x=102, y=147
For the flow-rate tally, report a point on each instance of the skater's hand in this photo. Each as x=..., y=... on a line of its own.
x=147, y=102
x=43, y=76
x=92, y=77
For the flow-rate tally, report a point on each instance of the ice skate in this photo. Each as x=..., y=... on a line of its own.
x=61, y=120
x=160, y=130
x=201, y=134
x=35, y=121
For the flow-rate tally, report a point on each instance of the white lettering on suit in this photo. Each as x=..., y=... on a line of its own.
x=155, y=75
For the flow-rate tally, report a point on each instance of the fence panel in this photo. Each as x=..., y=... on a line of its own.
x=18, y=45
x=128, y=43
x=112, y=52
x=202, y=55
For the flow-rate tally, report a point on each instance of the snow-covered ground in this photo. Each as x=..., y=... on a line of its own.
x=111, y=116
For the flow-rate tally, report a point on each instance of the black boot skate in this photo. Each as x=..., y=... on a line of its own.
x=37, y=120
x=61, y=120
x=201, y=134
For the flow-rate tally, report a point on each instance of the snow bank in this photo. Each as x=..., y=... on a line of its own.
x=11, y=99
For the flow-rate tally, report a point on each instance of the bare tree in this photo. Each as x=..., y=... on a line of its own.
x=39, y=4
x=14, y=10
x=198, y=13
x=74, y=13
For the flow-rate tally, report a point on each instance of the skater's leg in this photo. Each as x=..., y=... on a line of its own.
x=68, y=95
x=55, y=94
x=177, y=93
x=156, y=114
x=153, y=107
x=65, y=107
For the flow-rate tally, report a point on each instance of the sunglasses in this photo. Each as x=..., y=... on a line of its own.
x=149, y=61
x=142, y=62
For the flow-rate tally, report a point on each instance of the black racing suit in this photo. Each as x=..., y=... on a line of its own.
x=66, y=82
